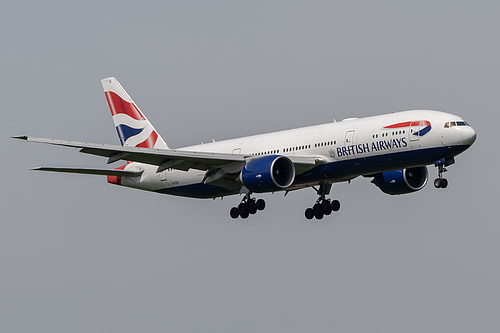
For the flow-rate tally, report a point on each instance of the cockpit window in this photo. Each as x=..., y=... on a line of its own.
x=449, y=124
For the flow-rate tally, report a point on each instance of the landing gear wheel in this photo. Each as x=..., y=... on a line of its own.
x=309, y=213
x=251, y=206
x=234, y=212
x=335, y=205
x=327, y=207
x=318, y=211
x=319, y=215
x=243, y=210
x=244, y=214
x=261, y=204
x=441, y=183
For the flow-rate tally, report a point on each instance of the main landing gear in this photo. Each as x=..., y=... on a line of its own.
x=322, y=206
x=247, y=207
x=441, y=182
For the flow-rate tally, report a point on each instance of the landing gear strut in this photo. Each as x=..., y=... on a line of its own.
x=247, y=207
x=322, y=206
x=441, y=182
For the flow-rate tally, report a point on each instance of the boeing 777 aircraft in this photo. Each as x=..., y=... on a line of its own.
x=394, y=149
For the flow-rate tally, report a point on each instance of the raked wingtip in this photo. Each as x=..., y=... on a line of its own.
x=20, y=137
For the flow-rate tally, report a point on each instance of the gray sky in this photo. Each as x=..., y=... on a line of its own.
x=79, y=255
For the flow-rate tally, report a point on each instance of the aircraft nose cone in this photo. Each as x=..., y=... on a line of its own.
x=468, y=135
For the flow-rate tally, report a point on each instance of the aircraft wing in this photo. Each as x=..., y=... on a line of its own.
x=169, y=158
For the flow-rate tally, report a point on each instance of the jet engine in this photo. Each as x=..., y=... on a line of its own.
x=402, y=181
x=268, y=173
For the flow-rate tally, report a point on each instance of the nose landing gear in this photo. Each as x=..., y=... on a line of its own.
x=441, y=182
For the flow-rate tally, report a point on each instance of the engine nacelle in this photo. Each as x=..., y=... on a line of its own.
x=268, y=173
x=402, y=181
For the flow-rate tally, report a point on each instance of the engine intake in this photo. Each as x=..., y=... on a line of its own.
x=268, y=173
x=402, y=181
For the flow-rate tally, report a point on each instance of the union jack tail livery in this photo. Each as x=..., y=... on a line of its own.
x=134, y=130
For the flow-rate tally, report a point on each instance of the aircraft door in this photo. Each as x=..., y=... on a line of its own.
x=349, y=138
x=413, y=130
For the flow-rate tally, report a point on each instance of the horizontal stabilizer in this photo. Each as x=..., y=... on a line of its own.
x=101, y=172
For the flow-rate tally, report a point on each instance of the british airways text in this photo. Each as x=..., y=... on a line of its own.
x=375, y=146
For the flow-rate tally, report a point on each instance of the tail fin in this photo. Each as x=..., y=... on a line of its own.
x=132, y=126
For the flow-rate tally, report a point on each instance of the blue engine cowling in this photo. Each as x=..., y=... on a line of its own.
x=268, y=173
x=402, y=181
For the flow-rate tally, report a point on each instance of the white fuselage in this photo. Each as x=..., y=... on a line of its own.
x=348, y=149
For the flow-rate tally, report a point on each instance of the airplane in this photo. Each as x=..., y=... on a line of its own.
x=393, y=149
